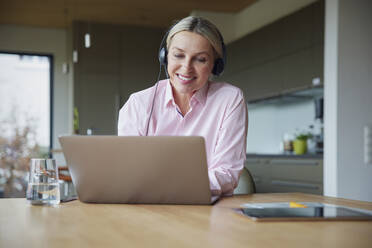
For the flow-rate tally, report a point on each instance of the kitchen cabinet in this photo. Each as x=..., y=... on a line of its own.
x=259, y=169
x=120, y=61
x=280, y=57
x=97, y=77
x=286, y=174
x=280, y=75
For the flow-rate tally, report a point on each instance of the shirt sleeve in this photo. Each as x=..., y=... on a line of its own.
x=230, y=151
x=130, y=123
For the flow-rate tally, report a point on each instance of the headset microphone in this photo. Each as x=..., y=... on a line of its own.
x=164, y=58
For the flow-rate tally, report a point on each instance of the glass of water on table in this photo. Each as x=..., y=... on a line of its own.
x=43, y=186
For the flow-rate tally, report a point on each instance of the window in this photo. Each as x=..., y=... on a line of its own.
x=25, y=117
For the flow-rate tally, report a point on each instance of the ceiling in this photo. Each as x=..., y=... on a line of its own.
x=156, y=13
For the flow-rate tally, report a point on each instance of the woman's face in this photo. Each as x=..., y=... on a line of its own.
x=190, y=62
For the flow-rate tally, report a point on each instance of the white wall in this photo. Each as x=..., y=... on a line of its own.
x=330, y=181
x=50, y=41
x=348, y=98
x=269, y=122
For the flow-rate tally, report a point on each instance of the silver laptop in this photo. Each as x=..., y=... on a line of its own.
x=133, y=169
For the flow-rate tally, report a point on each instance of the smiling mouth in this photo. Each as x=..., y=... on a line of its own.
x=185, y=79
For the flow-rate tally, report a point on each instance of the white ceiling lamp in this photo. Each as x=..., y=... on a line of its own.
x=87, y=40
x=87, y=37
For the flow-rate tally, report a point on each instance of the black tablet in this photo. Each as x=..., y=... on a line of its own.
x=308, y=213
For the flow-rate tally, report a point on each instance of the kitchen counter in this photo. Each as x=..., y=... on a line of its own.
x=285, y=156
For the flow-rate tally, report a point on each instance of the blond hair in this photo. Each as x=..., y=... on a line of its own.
x=202, y=27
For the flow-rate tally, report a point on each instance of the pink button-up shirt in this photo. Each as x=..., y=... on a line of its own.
x=217, y=112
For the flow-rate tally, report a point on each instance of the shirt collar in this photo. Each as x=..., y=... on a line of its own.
x=200, y=95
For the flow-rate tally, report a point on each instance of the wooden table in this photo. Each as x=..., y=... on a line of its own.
x=76, y=224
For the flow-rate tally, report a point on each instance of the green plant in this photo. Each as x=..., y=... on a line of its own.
x=76, y=120
x=16, y=150
x=303, y=135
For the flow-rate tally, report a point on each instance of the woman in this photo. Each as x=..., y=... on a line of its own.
x=188, y=103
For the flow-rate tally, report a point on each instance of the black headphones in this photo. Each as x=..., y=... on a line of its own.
x=219, y=64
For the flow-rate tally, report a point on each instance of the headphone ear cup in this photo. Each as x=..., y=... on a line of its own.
x=163, y=56
x=218, y=67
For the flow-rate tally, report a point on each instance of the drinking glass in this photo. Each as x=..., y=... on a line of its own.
x=43, y=186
